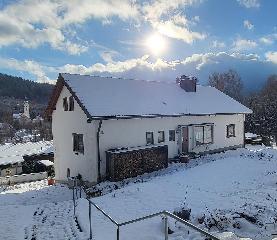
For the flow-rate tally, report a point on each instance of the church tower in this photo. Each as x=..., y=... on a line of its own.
x=26, y=109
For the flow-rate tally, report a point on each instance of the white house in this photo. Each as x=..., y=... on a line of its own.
x=91, y=115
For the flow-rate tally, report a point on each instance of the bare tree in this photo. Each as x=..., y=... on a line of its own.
x=229, y=82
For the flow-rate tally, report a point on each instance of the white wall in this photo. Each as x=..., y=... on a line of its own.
x=132, y=132
x=64, y=123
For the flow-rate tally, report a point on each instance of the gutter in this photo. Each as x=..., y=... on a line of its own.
x=98, y=151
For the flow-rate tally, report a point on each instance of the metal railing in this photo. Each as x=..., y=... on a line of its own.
x=77, y=192
x=164, y=214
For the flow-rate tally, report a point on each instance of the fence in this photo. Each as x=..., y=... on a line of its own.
x=165, y=214
x=22, y=178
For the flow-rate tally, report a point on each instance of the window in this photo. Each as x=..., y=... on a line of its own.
x=160, y=136
x=65, y=104
x=171, y=135
x=203, y=134
x=231, y=130
x=71, y=103
x=78, y=143
x=68, y=172
x=149, y=138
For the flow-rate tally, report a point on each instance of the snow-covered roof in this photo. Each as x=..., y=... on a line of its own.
x=13, y=153
x=107, y=97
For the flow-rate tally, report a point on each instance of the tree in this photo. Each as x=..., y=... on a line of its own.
x=229, y=82
x=264, y=105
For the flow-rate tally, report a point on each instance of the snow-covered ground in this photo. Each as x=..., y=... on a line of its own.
x=236, y=191
x=35, y=211
x=223, y=188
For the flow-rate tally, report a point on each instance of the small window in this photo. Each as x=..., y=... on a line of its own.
x=78, y=143
x=203, y=134
x=231, y=130
x=172, y=135
x=71, y=103
x=160, y=136
x=149, y=138
x=65, y=104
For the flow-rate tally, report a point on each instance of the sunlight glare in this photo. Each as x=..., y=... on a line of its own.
x=156, y=44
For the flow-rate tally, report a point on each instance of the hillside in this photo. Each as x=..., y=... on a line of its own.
x=19, y=88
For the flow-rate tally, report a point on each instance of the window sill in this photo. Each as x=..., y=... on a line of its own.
x=203, y=144
x=78, y=153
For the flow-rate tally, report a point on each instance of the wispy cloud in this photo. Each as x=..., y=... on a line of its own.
x=218, y=44
x=162, y=17
x=250, y=3
x=247, y=24
x=271, y=56
x=244, y=45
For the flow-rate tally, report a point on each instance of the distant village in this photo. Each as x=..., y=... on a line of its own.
x=22, y=128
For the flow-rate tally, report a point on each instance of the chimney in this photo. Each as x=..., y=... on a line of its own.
x=188, y=83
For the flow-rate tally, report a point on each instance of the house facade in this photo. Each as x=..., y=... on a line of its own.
x=91, y=115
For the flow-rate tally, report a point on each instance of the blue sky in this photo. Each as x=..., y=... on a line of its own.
x=138, y=39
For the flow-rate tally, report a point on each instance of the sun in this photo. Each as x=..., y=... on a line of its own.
x=156, y=44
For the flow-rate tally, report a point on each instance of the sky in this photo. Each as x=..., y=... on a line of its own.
x=155, y=40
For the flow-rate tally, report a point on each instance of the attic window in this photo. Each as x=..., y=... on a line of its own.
x=71, y=103
x=78, y=143
x=65, y=104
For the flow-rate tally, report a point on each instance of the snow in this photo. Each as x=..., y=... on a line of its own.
x=47, y=163
x=13, y=153
x=37, y=211
x=249, y=135
x=221, y=186
x=106, y=96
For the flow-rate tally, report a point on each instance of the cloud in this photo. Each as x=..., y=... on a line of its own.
x=249, y=3
x=271, y=56
x=247, y=24
x=171, y=29
x=252, y=69
x=161, y=14
x=244, y=45
x=218, y=44
x=28, y=66
x=269, y=39
x=31, y=23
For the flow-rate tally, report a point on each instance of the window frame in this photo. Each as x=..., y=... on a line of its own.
x=152, y=138
x=79, y=147
x=204, y=137
x=71, y=104
x=170, y=138
x=228, y=135
x=162, y=140
x=65, y=104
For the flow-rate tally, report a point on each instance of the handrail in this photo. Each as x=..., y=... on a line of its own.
x=141, y=218
x=190, y=225
x=165, y=214
x=104, y=213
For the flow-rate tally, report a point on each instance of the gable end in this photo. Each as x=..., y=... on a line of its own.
x=55, y=96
